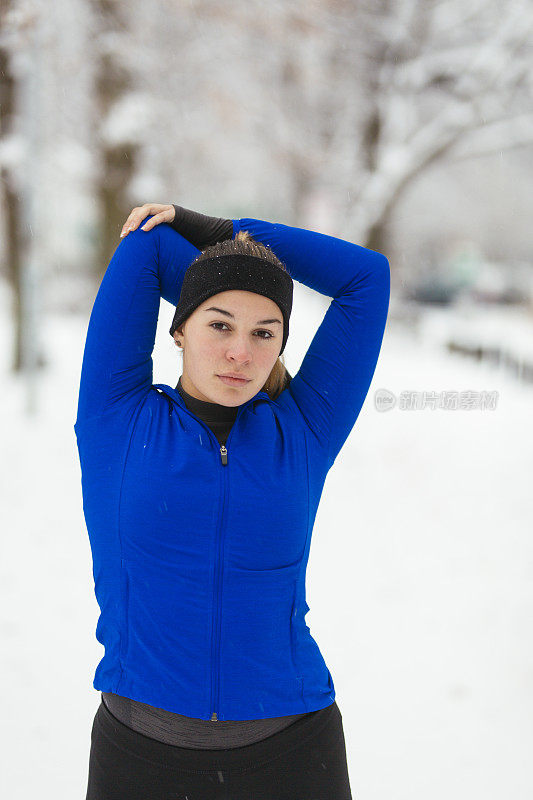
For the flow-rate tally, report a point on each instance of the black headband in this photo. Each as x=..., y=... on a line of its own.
x=210, y=276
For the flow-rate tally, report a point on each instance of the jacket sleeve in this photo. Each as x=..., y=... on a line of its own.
x=335, y=375
x=117, y=368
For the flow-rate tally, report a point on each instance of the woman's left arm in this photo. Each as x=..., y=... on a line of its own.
x=335, y=375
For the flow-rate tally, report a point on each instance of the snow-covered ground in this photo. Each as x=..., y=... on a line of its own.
x=419, y=581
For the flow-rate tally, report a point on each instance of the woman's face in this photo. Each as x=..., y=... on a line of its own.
x=237, y=332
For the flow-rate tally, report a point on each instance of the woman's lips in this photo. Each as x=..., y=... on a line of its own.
x=233, y=381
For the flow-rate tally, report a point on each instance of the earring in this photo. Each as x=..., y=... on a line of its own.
x=178, y=343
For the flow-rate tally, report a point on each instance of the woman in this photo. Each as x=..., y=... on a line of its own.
x=200, y=502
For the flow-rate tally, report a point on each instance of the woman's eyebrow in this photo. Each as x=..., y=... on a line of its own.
x=228, y=314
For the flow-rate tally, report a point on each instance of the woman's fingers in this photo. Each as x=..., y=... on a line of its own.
x=135, y=217
x=161, y=213
x=163, y=216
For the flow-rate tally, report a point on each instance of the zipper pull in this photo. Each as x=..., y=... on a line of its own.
x=214, y=717
x=223, y=455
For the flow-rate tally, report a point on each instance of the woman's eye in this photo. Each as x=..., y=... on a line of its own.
x=214, y=324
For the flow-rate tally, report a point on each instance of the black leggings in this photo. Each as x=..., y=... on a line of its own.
x=305, y=761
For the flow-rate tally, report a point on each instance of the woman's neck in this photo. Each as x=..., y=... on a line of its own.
x=206, y=410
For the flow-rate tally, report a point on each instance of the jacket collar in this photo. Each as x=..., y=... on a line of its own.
x=175, y=395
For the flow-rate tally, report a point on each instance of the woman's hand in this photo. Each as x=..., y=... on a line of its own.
x=162, y=213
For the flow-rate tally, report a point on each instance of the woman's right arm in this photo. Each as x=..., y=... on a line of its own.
x=149, y=263
x=117, y=369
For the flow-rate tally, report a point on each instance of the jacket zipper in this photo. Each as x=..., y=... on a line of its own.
x=215, y=634
x=223, y=455
x=215, y=638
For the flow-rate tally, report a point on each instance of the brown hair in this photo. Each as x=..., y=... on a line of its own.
x=243, y=242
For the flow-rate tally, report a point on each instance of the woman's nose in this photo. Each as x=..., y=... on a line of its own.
x=239, y=351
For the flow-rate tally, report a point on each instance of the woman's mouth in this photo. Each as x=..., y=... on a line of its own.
x=233, y=381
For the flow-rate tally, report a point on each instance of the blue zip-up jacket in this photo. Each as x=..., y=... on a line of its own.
x=200, y=552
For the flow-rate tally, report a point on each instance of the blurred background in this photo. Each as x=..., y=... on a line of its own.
x=406, y=127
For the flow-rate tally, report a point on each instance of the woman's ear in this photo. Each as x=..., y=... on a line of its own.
x=178, y=337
